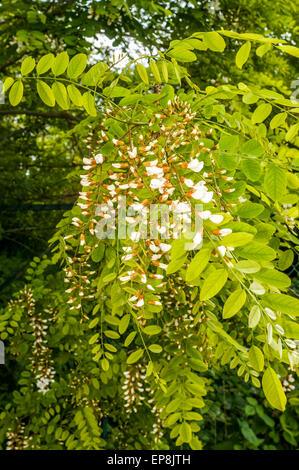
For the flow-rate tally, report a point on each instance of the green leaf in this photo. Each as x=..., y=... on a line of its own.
x=243, y=54
x=95, y=74
x=98, y=253
x=77, y=65
x=234, y=303
x=252, y=148
x=61, y=95
x=249, y=210
x=88, y=103
x=254, y=316
x=282, y=303
x=164, y=71
x=135, y=356
x=237, y=239
x=94, y=338
x=185, y=432
x=155, y=71
x=261, y=50
x=292, y=132
x=16, y=93
x=286, y=259
x=291, y=329
x=193, y=415
x=198, y=264
x=278, y=120
x=124, y=323
x=60, y=63
x=248, y=266
x=130, y=338
x=228, y=142
x=273, y=389
x=27, y=65
x=152, y=330
x=177, y=73
x=275, y=182
x=256, y=358
x=111, y=334
x=105, y=364
x=264, y=232
x=45, y=63
x=94, y=322
x=175, y=265
x=45, y=93
x=261, y=113
x=292, y=50
x=214, y=41
x=274, y=278
x=75, y=95
x=182, y=55
x=116, y=92
x=7, y=83
x=155, y=348
x=109, y=278
x=257, y=252
x=141, y=70
x=213, y=284
x=252, y=169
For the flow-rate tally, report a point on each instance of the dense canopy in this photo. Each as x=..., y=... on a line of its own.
x=125, y=341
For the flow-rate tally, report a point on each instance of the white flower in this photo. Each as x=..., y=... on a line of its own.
x=205, y=215
x=127, y=277
x=140, y=303
x=127, y=249
x=99, y=158
x=182, y=207
x=150, y=287
x=195, y=165
x=163, y=266
x=225, y=231
x=198, y=238
x=207, y=196
x=154, y=248
x=165, y=247
x=189, y=183
x=127, y=257
x=154, y=170
x=85, y=182
x=130, y=220
x=157, y=183
x=216, y=218
x=221, y=249
x=133, y=152
x=135, y=236
x=137, y=207
x=198, y=194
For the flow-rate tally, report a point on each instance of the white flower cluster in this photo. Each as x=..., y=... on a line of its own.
x=133, y=387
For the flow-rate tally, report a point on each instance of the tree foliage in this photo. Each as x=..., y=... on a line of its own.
x=121, y=341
